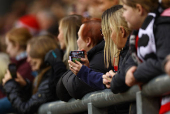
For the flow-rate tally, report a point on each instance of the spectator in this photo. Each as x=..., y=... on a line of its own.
x=25, y=97
x=91, y=41
x=68, y=29
x=150, y=41
x=16, y=40
x=113, y=14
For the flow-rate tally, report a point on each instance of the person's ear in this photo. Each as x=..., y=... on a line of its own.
x=88, y=41
x=122, y=32
x=140, y=9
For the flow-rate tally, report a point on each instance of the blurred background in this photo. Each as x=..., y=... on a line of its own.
x=15, y=13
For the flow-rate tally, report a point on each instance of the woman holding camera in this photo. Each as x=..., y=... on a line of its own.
x=24, y=96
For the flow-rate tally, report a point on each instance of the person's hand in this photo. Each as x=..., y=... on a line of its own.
x=6, y=77
x=53, y=56
x=167, y=67
x=107, y=78
x=85, y=60
x=75, y=67
x=20, y=80
x=130, y=79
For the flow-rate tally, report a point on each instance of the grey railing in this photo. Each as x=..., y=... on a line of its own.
x=146, y=99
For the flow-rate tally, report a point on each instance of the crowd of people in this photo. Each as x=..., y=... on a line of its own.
x=125, y=43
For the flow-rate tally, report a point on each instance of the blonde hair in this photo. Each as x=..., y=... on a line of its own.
x=20, y=36
x=39, y=46
x=148, y=5
x=70, y=26
x=110, y=46
x=115, y=21
x=4, y=61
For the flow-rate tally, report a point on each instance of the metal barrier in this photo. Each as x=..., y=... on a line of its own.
x=147, y=100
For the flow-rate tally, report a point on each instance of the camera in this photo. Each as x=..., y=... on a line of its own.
x=13, y=70
x=76, y=55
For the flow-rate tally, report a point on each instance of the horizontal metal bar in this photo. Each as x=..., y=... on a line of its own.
x=104, y=98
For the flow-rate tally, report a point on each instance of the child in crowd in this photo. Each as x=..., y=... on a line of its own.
x=16, y=41
x=150, y=40
x=25, y=97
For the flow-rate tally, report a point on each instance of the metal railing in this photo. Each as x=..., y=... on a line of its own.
x=147, y=99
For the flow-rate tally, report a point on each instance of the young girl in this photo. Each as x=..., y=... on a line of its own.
x=25, y=97
x=152, y=42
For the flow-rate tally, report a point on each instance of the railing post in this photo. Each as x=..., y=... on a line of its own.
x=147, y=105
x=94, y=110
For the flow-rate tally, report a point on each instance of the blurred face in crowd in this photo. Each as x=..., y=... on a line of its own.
x=11, y=49
x=133, y=17
x=105, y=4
x=61, y=39
x=118, y=37
x=82, y=44
x=35, y=63
x=97, y=7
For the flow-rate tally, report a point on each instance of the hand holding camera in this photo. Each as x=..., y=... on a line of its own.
x=77, y=58
x=12, y=74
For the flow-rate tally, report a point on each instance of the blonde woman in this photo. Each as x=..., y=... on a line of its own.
x=31, y=97
x=68, y=29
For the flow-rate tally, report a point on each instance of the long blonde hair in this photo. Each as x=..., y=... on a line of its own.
x=116, y=20
x=70, y=26
x=110, y=46
x=39, y=46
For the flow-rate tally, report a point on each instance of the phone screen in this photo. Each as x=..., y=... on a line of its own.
x=76, y=55
x=13, y=70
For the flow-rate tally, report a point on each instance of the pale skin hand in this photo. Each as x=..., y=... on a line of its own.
x=130, y=79
x=19, y=78
x=75, y=67
x=167, y=67
x=107, y=78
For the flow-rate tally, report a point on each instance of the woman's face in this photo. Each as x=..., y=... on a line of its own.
x=80, y=42
x=119, y=40
x=11, y=49
x=35, y=63
x=61, y=39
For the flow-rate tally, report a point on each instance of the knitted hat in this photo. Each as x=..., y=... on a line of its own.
x=30, y=22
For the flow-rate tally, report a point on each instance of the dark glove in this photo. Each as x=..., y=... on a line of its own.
x=53, y=56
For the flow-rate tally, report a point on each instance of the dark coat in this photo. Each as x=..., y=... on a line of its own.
x=78, y=87
x=23, y=100
x=152, y=66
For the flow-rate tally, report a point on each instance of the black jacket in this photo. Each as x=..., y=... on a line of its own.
x=118, y=81
x=72, y=86
x=23, y=100
x=96, y=58
x=152, y=66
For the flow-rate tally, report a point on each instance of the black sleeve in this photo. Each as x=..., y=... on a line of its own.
x=58, y=70
x=31, y=106
x=152, y=67
x=118, y=81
